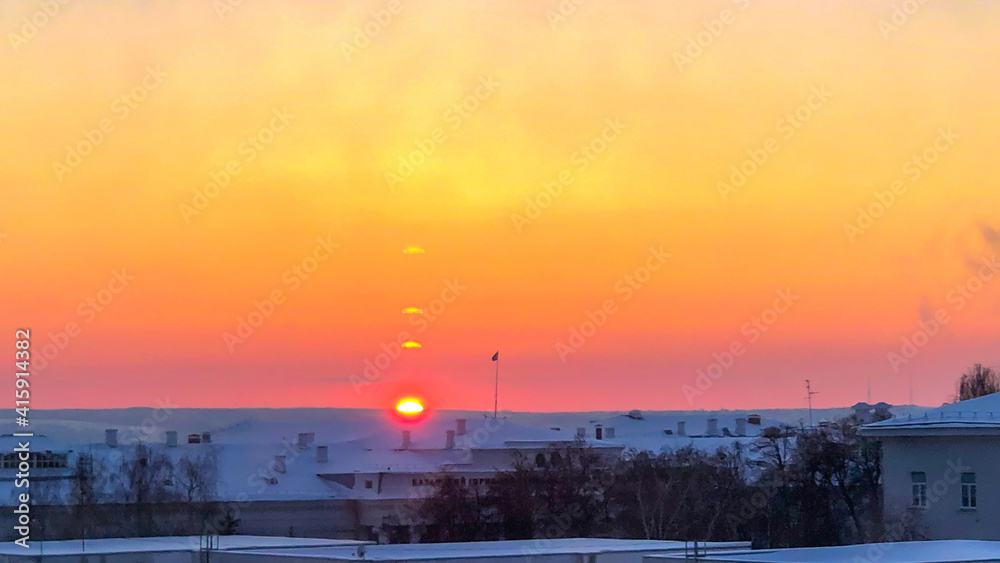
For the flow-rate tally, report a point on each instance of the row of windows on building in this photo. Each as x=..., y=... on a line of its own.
x=36, y=460
x=919, y=483
x=461, y=480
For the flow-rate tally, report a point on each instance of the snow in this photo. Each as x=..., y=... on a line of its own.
x=167, y=543
x=360, y=442
x=512, y=548
x=940, y=551
x=981, y=413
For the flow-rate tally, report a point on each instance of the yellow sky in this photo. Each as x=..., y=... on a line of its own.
x=306, y=116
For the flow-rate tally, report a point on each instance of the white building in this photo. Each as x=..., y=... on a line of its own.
x=939, y=469
x=281, y=482
x=344, y=477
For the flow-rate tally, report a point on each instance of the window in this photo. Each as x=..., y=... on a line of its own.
x=36, y=460
x=540, y=460
x=919, y=480
x=968, y=490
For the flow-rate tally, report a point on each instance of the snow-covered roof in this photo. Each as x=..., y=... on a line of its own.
x=490, y=549
x=974, y=416
x=938, y=551
x=108, y=546
x=650, y=433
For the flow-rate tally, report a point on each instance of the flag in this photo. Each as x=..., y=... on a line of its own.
x=496, y=357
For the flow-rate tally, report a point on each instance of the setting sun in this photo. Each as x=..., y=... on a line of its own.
x=410, y=409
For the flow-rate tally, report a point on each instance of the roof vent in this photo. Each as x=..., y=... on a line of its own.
x=171, y=438
x=305, y=438
x=754, y=419
x=322, y=454
x=681, y=428
x=111, y=437
x=194, y=438
x=741, y=426
x=206, y=437
x=635, y=414
x=713, y=427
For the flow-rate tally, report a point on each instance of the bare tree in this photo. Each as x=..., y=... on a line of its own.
x=977, y=381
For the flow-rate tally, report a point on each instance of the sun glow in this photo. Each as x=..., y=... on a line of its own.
x=410, y=409
x=409, y=406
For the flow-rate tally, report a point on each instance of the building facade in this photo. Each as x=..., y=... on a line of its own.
x=939, y=470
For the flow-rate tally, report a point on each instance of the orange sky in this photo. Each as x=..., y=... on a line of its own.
x=616, y=107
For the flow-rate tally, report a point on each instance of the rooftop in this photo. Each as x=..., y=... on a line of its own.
x=490, y=549
x=167, y=543
x=940, y=551
x=979, y=416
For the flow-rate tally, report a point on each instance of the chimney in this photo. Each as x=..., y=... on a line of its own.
x=460, y=427
x=406, y=440
x=741, y=426
x=171, y=438
x=206, y=437
x=681, y=431
x=449, y=440
x=609, y=433
x=111, y=437
x=322, y=454
x=599, y=432
x=581, y=432
x=303, y=441
x=713, y=427
x=279, y=464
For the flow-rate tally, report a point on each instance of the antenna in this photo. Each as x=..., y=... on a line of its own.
x=809, y=397
x=911, y=386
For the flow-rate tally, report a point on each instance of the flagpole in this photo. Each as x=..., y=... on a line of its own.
x=496, y=388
